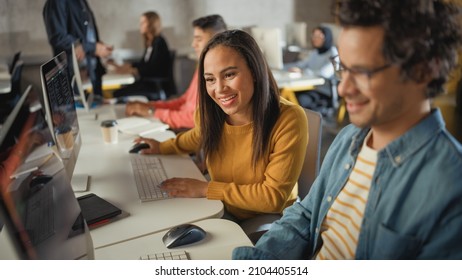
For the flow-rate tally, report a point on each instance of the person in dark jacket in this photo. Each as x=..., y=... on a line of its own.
x=71, y=22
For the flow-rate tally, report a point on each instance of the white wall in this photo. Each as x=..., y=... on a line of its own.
x=22, y=28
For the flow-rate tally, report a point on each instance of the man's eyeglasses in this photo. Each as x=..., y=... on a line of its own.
x=360, y=76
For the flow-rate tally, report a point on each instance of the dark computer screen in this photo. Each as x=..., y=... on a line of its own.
x=60, y=109
x=37, y=205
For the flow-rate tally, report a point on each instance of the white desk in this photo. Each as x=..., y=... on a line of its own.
x=7, y=250
x=287, y=79
x=112, y=81
x=112, y=179
x=222, y=237
x=5, y=79
x=289, y=83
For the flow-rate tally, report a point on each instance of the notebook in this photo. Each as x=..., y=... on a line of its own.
x=96, y=210
x=140, y=126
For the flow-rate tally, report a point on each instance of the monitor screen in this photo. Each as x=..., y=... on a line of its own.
x=270, y=42
x=77, y=85
x=296, y=34
x=41, y=214
x=60, y=109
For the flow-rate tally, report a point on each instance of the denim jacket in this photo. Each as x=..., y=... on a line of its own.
x=414, y=209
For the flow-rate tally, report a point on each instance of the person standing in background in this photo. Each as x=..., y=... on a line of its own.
x=178, y=113
x=71, y=22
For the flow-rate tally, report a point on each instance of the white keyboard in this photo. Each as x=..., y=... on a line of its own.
x=149, y=173
x=178, y=255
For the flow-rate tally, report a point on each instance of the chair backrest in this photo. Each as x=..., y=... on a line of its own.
x=170, y=86
x=16, y=77
x=312, y=161
x=256, y=226
x=162, y=88
x=14, y=61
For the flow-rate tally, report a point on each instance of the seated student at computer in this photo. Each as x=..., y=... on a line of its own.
x=390, y=184
x=317, y=63
x=155, y=62
x=178, y=113
x=253, y=141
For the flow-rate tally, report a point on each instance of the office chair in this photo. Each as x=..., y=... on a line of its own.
x=257, y=226
x=14, y=61
x=163, y=88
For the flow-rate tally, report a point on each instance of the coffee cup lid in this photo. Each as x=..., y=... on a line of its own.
x=62, y=129
x=108, y=123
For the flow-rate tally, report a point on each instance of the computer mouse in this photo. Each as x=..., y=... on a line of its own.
x=138, y=147
x=183, y=235
x=40, y=180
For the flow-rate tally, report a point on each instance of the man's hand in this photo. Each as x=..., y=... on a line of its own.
x=138, y=108
x=79, y=52
x=103, y=50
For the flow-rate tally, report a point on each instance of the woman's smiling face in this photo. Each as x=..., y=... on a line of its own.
x=229, y=83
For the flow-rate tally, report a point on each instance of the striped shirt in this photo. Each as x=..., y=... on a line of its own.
x=340, y=229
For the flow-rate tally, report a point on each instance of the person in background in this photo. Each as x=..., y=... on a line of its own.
x=390, y=184
x=70, y=22
x=253, y=141
x=178, y=113
x=318, y=64
x=155, y=62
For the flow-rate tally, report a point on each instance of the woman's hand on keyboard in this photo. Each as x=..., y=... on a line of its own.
x=185, y=187
x=154, y=146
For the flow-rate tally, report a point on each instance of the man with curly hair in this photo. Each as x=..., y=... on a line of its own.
x=390, y=185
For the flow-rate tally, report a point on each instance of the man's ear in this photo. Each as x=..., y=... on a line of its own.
x=426, y=72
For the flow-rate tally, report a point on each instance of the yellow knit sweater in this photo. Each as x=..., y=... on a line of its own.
x=244, y=191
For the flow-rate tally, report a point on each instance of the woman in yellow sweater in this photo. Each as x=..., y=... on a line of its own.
x=253, y=141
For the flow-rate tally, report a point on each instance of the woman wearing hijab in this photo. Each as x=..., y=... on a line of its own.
x=318, y=64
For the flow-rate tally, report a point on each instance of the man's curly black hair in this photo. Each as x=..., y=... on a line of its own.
x=422, y=36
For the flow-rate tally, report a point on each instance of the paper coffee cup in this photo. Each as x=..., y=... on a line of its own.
x=109, y=130
x=64, y=139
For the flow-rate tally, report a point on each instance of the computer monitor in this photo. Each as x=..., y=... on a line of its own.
x=61, y=115
x=77, y=85
x=296, y=34
x=270, y=42
x=42, y=217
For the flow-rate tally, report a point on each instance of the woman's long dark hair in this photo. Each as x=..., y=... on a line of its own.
x=265, y=100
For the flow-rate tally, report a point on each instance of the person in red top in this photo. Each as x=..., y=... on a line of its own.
x=179, y=113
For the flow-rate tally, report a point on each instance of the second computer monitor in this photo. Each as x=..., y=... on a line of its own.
x=296, y=34
x=60, y=109
x=270, y=42
x=77, y=85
